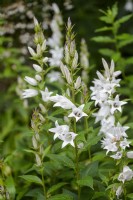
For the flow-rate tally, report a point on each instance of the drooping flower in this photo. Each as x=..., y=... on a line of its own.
x=62, y=101
x=27, y=93
x=126, y=175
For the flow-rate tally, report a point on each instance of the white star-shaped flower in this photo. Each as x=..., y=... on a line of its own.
x=62, y=132
x=59, y=131
x=46, y=95
x=68, y=139
x=116, y=104
x=78, y=112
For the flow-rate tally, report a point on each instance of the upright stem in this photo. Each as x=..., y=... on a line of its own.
x=43, y=182
x=76, y=152
x=86, y=127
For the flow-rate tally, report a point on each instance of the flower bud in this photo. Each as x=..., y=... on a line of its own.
x=37, y=136
x=38, y=50
x=77, y=84
x=41, y=118
x=35, y=22
x=34, y=142
x=75, y=60
x=32, y=52
x=67, y=75
x=37, y=68
x=43, y=109
x=72, y=48
x=67, y=56
x=43, y=45
x=130, y=154
x=45, y=59
x=30, y=80
x=38, y=77
x=62, y=67
x=38, y=160
x=69, y=24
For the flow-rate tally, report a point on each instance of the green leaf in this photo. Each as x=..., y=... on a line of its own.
x=99, y=194
x=55, y=187
x=103, y=39
x=57, y=112
x=45, y=152
x=90, y=170
x=107, y=52
x=36, y=193
x=87, y=107
x=124, y=19
x=105, y=28
x=125, y=39
x=32, y=179
x=87, y=181
x=129, y=60
x=61, y=197
x=10, y=185
x=62, y=159
x=130, y=196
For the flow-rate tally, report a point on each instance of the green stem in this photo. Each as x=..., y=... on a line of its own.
x=86, y=127
x=77, y=169
x=43, y=182
x=76, y=152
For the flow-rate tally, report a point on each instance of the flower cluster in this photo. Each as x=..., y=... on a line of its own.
x=38, y=56
x=115, y=137
x=62, y=132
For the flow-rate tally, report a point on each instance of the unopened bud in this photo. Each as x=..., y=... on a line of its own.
x=30, y=80
x=38, y=160
x=67, y=56
x=34, y=142
x=43, y=109
x=35, y=22
x=67, y=75
x=130, y=154
x=62, y=67
x=41, y=118
x=69, y=24
x=72, y=48
x=45, y=59
x=75, y=60
x=77, y=83
x=38, y=50
x=41, y=150
x=32, y=52
x=43, y=45
x=37, y=68
x=37, y=136
x=68, y=92
x=38, y=77
x=81, y=145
